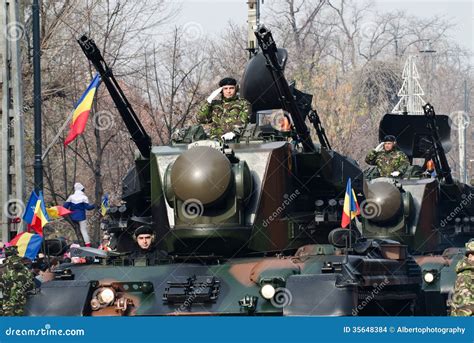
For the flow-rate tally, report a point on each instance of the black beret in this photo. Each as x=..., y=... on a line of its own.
x=143, y=230
x=389, y=138
x=227, y=81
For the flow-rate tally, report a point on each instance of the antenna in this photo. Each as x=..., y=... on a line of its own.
x=253, y=22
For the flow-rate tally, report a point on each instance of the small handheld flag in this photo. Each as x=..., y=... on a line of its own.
x=351, y=207
x=104, y=206
x=81, y=111
x=56, y=212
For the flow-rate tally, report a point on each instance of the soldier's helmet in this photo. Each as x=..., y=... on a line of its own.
x=11, y=251
x=470, y=247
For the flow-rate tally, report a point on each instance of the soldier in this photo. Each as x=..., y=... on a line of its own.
x=146, y=252
x=15, y=281
x=105, y=244
x=225, y=113
x=462, y=302
x=389, y=160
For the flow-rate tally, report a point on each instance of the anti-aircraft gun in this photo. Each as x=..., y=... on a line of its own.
x=249, y=226
x=424, y=207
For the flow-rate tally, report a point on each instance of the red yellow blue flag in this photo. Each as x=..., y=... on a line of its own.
x=56, y=212
x=28, y=244
x=81, y=111
x=35, y=214
x=351, y=207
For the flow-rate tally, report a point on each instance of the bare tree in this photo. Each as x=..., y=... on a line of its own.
x=121, y=29
x=171, y=84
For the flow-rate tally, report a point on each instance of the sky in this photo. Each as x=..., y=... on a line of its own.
x=460, y=12
x=210, y=17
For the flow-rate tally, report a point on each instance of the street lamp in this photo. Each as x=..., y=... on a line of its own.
x=428, y=50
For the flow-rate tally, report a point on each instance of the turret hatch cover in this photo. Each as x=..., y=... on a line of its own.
x=412, y=132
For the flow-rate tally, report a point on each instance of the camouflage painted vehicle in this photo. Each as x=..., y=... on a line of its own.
x=248, y=226
x=429, y=211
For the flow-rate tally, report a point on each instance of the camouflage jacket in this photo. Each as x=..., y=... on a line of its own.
x=223, y=114
x=15, y=281
x=462, y=301
x=388, y=161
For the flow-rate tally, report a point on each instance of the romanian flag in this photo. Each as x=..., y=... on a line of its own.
x=104, y=206
x=56, y=212
x=35, y=214
x=351, y=207
x=81, y=111
x=40, y=218
x=28, y=244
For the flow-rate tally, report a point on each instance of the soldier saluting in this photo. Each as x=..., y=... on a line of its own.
x=390, y=161
x=225, y=113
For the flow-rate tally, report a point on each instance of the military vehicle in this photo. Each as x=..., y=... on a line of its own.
x=424, y=207
x=248, y=226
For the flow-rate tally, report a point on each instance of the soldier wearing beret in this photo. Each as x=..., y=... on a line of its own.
x=462, y=302
x=146, y=252
x=390, y=161
x=225, y=113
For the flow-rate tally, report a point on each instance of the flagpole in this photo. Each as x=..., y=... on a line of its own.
x=347, y=250
x=38, y=165
x=350, y=233
x=69, y=117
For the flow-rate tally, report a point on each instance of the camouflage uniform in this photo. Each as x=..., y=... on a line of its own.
x=462, y=302
x=388, y=161
x=224, y=114
x=15, y=281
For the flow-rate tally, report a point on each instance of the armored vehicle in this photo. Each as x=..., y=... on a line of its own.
x=424, y=208
x=246, y=227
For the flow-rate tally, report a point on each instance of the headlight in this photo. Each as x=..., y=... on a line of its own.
x=319, y=203
x=106, y=296
x=267, y=291
x=429, y=277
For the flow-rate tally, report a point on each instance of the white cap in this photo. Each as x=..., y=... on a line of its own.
x=78, y=186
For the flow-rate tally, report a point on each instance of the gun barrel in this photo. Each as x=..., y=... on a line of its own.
x=441, y=161
x=269, y=50
x=134, y=126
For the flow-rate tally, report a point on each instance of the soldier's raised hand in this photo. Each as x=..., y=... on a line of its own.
x=214, y=94
x=379, y=147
